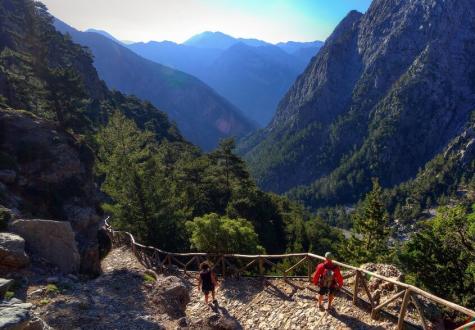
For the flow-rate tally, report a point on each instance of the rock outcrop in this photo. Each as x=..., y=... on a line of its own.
x=16, y=315
x=52, y=178
x=12, y=252
x=172, y=294
x=52, y=240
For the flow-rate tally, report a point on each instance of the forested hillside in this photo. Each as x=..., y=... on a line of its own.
x=375, y=102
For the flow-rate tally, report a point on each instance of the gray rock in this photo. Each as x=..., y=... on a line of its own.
x=15, y=317
x=172, y=294
x=12, y=251
x=52, y=240
x=7, y=176
x=4, y=286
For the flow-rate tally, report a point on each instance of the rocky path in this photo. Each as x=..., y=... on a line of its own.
x=122, y=298
x=125, y=298
x=274, y=304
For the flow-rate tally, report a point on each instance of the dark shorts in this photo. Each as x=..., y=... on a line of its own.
x=207, y=290
x=324, y=290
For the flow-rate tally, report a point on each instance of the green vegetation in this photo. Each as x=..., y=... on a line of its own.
x=370, y=233
x=441, y=256
x=157, y=187
x=148, y=278
x=216, y=234
x=9, y=295
x=52, y=289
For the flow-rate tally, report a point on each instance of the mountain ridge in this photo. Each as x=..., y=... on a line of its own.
x=336, y=129
x=246, y=79
x=177, y=93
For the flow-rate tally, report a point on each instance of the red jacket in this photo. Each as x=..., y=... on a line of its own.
x=321, y=268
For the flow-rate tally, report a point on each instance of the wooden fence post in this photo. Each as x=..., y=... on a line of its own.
x=355, y=287
x=309, y=269
x=223, y=266
x=402, y=312
x=261, y=266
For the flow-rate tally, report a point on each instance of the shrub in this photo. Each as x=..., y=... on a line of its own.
x=214, y=234
x=148, y=278
x=9, y=295
x=52, y=289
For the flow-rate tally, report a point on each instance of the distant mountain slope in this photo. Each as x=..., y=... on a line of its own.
x=105, y=34
x=375, y=102
x=252, y=74
x=202, y=115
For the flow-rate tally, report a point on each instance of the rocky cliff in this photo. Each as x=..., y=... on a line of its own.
x=47, y=173
x=387, y=92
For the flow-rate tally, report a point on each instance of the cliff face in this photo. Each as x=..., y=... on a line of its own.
x=387, y=92
x=50, y=176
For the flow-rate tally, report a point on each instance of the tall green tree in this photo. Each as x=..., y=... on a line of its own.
x=370, y=232
x=217, y=234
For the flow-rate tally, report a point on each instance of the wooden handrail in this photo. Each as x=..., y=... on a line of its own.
x=408, y=292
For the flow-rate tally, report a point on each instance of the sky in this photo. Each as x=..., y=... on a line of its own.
x=178, y=20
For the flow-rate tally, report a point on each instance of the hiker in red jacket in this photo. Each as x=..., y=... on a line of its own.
x=328, y=277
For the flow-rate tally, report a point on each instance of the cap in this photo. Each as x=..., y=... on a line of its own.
x=328, y=255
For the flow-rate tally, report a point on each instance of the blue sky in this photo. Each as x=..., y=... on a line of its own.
x=177, y=20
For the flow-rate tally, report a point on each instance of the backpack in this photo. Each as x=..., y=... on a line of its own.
x=328, y=277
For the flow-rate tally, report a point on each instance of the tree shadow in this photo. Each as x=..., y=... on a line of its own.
x=223, y=311
x=277, y=292
x=242, y=289
x=115, y=300
x=353, y=322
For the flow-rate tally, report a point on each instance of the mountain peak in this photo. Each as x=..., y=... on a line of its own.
x=209, y=39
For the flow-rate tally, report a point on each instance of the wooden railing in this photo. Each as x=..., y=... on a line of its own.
x=160, y=260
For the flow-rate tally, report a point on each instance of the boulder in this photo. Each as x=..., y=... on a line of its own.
x=12, y=251
x=52, y=240
x=172, y=294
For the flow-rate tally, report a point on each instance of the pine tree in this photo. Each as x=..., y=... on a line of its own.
x=370, y=232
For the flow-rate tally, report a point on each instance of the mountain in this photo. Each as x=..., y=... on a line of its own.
x=254, y=78
x=105, y=34
x=252, y=74
x=292, y=47
x=203, y=116
x=386, y=93
x=219, y=40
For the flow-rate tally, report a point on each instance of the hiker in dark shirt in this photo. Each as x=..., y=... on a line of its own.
x=328, y=277
x=207, y=281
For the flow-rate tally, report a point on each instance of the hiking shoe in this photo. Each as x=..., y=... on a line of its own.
x=331, y=309
x=321, y=308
